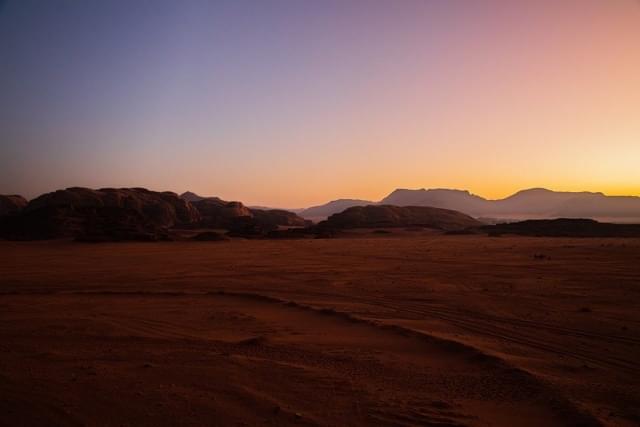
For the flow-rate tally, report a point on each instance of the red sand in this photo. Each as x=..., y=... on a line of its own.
x=422, y=330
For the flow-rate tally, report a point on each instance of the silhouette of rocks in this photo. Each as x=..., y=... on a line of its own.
x=239, y=219
x=210, y=236
x=564, y=227
x=99, y=215
x=11, y=204
x=334, y=206
x=216, y=213
x=111, y=214
x=193, y=197
x=385, y=216
x=272, y=218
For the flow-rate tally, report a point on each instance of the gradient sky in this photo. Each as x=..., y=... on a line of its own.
x=295, y=102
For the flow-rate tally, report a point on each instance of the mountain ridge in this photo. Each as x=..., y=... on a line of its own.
x=531, y=203
x=118, y=214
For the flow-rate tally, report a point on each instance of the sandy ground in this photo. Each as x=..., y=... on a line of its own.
x=387, y=330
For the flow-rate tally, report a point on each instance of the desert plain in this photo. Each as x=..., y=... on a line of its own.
x=374, y=329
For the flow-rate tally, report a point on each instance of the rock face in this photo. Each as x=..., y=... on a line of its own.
x=272, y=218
x=382, y=216
x=535, y=203
x=193, y=197
x=323, y=211
x=11, y=205
x=111, y=214
x=216, y=213
x=565, y=227
x=239, y=219
x=105, y=214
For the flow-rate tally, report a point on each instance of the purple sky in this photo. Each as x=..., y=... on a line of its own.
x=290, y=103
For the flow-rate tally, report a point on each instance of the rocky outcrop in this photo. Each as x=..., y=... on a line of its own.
x=112, y=214
x=193, y=197
x=105, y=214
x=383, y=216
x=272, y=218
x=11, y=204
x=216, y=213
x=321, y=212
x=564, y=227
x=239, y=219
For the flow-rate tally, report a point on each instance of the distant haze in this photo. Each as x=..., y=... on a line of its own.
x=288, y=103
x=534, y=203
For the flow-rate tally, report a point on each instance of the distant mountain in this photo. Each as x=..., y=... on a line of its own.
x=321, y=212
x=462, y=201
x=384, y=216
x=535, y=203
x=540, y=202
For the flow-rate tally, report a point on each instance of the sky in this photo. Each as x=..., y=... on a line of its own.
x=290, y=103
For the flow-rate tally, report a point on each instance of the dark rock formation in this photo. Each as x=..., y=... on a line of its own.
x=112, y=214
x=193, y=197
x=216, y=213
x=383, y=216
x=239, y=219
x=321, y=212
x=564, y=227
x=210, y=236
x=273, y=218
x=97, y=215
x=11, y=205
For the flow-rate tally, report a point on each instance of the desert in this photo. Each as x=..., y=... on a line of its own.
x=405, y=328
x=319, y=213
